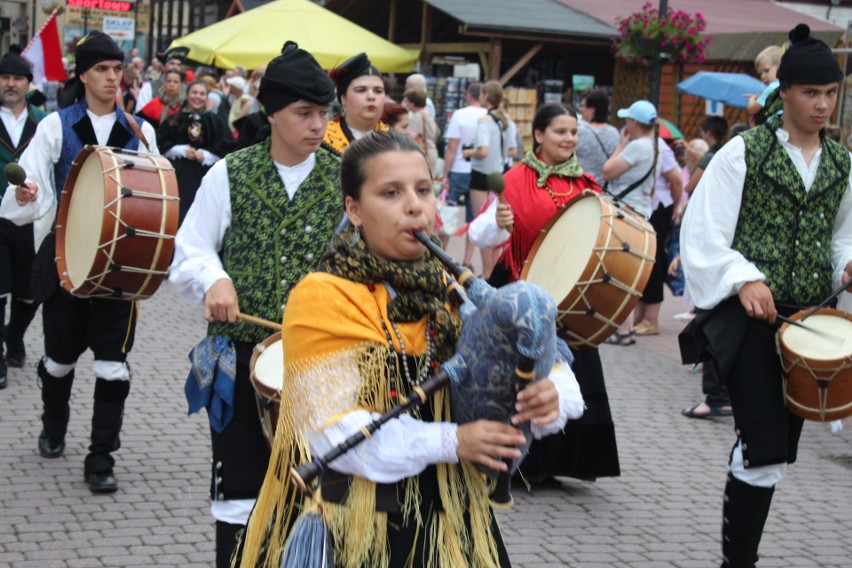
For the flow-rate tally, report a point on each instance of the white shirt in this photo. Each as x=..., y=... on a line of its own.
x=14, y=126
x=713, y=270
x=196, y=265
x=43, y=151
x=405, y=446
x=145, y=95
x=662, y=193
x=463, y=127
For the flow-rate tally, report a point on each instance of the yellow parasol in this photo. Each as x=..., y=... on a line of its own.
x=253, y=38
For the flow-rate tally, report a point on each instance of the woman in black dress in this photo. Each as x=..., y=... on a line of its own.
x=193, y=139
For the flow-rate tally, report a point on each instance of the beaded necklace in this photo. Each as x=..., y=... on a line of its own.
x=423, y=373
x=555, y=194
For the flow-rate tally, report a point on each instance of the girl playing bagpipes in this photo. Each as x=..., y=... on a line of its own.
x=359, y=335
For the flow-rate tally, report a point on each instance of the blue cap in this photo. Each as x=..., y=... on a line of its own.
x=640, y=111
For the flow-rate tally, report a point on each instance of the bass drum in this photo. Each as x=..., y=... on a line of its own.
x=117, y=220
x=595, y=259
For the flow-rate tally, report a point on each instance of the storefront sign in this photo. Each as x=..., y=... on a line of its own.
x=119, y=28
x=102, y=5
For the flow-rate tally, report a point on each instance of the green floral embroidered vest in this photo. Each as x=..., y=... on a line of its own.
x=783, y=229
x=273, y=241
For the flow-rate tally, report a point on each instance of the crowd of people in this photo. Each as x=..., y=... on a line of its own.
x=290, y=212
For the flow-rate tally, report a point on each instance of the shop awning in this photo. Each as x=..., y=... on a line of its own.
x=740, y=28
x=253, y=38
x=539, y=17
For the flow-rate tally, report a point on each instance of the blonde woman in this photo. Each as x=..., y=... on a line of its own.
x=489, y=153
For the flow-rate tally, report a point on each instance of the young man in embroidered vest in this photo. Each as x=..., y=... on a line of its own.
x=260, y=221
x=17, y=126
x=767, y=232
x=72, y=325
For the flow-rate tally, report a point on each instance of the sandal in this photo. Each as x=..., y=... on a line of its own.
x=645, y=328
x=621, y=339
x=713, y=411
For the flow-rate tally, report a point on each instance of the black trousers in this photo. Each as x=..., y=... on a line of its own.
x=72, y=325
x=714, y=388
x=17, y=252
x=661, y=220
x=769, y=432
x=240, y=452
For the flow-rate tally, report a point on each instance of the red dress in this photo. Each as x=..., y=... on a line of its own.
x=533, y=207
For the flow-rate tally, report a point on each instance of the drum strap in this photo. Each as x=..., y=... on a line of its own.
x=136, y=130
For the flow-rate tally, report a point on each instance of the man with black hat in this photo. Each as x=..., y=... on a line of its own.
x=259, y=223
x=768, y=232
x=18, y=121
x=172, y=61
x=72, y=325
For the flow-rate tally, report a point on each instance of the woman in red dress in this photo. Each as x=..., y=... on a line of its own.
x=536, y=189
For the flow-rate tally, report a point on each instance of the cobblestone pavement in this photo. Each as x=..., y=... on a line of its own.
x=664, y=511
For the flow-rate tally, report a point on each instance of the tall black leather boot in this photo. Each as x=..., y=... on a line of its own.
x=20, y=316
x=107, y=418
x=743, y=517
x=55, y=394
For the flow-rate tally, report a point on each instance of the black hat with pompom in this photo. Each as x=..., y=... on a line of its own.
x=807, y=60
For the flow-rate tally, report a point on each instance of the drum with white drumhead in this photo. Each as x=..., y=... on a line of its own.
x=818, y=366
x=267, y=378
x=115, y=228
x=595, y=258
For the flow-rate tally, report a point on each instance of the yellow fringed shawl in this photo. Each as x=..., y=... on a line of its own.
x=333, y=333
x=336, y=138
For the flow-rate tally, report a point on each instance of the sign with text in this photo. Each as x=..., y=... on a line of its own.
x=119, y=28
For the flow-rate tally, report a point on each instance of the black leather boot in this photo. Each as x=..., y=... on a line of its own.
x=20, y=316
x=107, y=418
x=743, y=517
x=55, y=394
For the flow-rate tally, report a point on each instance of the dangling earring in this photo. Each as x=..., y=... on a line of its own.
x=356, y=234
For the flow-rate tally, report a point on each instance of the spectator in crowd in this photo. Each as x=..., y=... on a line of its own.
x=417, y=82
x=460, y=135
x=489, y=153
x=423, y=125
x=766, y=66
x=237, y=99
x=151, y=89
x=631, y=175
x=193, y=140
x=665, y=198
x=597, y=139
x=168, y=101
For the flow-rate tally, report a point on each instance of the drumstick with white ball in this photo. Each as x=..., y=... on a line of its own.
x=497, y=184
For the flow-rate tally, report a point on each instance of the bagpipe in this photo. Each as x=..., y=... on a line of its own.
x=508, y=339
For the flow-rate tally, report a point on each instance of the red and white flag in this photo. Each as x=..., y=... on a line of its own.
x=45, y=53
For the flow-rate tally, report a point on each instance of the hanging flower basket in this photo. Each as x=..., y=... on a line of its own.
x=646, y=35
